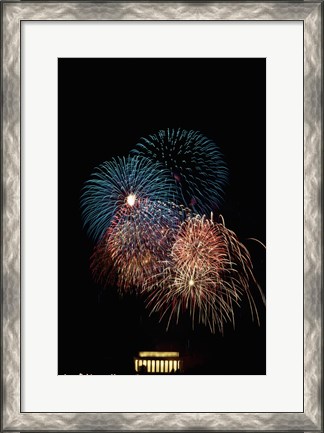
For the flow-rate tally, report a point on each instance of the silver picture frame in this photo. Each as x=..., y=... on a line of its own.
x=311, y=14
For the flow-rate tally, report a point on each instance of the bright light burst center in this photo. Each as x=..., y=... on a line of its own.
x=191, y=282
x=131, y=198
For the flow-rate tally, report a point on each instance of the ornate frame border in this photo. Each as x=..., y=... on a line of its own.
x=311, y=13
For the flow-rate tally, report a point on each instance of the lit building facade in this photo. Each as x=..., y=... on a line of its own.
x=158, y=363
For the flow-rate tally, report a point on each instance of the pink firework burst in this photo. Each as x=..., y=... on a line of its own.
x=207, y=272
x=136, y=244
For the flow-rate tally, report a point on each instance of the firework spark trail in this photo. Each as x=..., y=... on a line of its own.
x=122, y=181
x=207, y=272
x=195, y=162
x=136, y=244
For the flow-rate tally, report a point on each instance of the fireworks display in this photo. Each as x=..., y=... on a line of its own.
x=152, y=234
x=208, y=271
x=136, y=244
x=195, y=162
x=120, y=182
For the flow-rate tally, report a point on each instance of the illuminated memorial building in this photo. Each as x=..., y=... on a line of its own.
x=158, y=363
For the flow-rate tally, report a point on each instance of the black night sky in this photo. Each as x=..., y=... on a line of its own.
x=105, y=106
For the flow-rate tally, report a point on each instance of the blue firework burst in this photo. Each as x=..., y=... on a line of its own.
x=195, y=162
x=122, y=182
